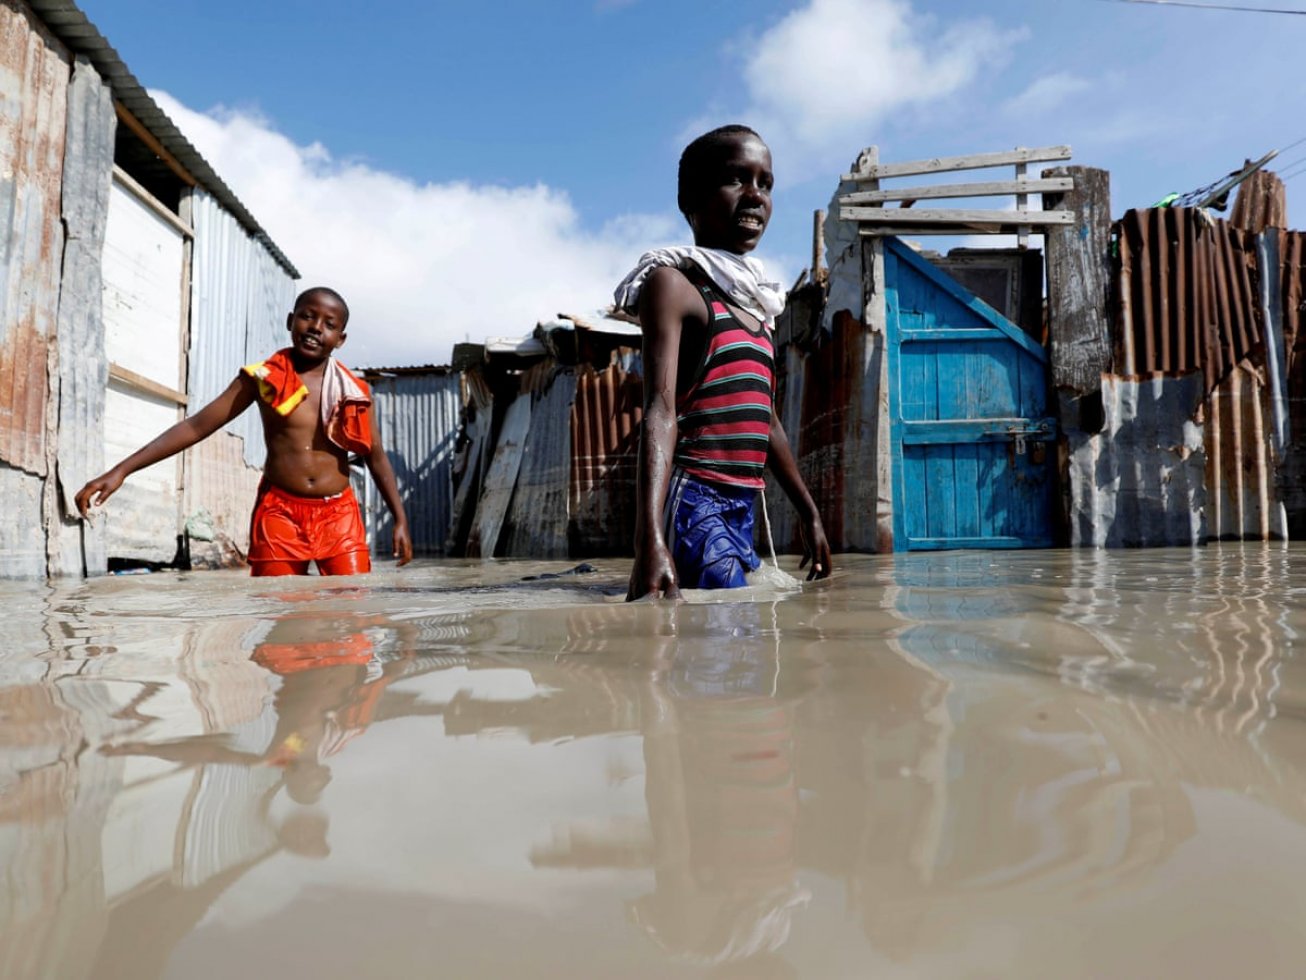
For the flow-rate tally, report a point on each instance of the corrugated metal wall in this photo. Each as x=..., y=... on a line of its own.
x=1204, y=312
x=34, y=74
x=1188, y=295
x=605, y=418
x=83, y=366
x=419, y=415
x=537, y=520
x=240, y=296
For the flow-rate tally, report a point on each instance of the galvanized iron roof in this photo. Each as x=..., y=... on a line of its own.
x=67, y=22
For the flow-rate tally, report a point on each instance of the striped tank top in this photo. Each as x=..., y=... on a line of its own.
x=724, y=417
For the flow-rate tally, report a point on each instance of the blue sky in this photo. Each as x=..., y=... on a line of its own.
x=462, y=170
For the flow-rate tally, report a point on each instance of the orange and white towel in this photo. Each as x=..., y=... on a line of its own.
x=346, y=400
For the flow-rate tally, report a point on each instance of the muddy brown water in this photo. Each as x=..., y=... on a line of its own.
x=1031, y=764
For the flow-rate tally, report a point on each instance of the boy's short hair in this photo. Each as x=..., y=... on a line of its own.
x=322, y=289
x=698, y=157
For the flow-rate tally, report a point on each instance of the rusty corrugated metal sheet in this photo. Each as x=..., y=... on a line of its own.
x=83, y=365
x=34, y=73
x=536, y=525
x=418, y=414
x=1187, y=295
x=1262, y=203
x=1241, y=501
x=605, y=419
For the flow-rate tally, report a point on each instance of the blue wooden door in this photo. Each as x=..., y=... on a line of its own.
x=973, y=443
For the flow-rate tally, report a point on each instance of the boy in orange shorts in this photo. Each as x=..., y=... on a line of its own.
x=315, y=414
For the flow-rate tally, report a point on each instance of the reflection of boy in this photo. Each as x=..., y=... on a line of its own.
x=710, y=427
x=315, y=414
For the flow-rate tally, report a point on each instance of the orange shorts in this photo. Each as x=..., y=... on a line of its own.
x=291, y=658
x=288, y=531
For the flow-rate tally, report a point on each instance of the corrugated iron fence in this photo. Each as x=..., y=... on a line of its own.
x=1199, y=296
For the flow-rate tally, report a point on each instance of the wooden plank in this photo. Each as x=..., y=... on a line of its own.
x=950, y=544
x=951, y=333
x=927, y=231
x=1078, y=283
x=141, y=383
x=974, y=161
x=149, y=139
x=150, y=201
x=993, y=188
x=956, y=216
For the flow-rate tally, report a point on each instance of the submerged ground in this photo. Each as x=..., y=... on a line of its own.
x=962, y=764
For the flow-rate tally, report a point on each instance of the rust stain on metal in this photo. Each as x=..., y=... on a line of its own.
x=1187, y=294
x=605, y=420
x=34, y=74
x=24, y=390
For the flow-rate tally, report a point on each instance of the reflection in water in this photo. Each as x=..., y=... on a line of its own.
x=946, y=764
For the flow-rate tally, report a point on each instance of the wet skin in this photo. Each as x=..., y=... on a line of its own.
x=730, y=210
x=300, y=458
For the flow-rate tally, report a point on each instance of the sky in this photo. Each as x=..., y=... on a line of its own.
x=464, y=170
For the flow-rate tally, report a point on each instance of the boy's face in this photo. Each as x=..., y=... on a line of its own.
x=317, y=326
x=734, y=204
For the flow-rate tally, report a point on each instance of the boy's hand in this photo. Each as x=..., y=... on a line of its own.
x=403, y=545
x=654, y=574
x=816, y=549
x=98, y=491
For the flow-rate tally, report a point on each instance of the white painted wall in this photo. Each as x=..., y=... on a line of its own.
x=143, y=257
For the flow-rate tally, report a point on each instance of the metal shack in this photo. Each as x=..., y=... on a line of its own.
x=135, y=284
x=547, y=464
x=1154, y=400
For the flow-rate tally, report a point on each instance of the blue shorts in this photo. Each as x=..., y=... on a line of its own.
x=709, y=529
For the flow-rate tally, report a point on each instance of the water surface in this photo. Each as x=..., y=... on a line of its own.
x=1030, y=764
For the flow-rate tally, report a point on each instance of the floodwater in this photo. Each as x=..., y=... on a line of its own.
x=1030, y=764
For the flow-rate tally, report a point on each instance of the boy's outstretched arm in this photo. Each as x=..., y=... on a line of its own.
x=384, y=475
x=816, y=548
x=665, y=301
x=240, y=394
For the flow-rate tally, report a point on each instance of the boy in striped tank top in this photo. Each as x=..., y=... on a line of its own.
x=710, y=428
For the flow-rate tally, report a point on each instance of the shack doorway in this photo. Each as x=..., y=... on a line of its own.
x=972, y=442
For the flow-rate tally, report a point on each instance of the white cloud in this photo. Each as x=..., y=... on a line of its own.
x=822, y=78
x=1046, y=93
x=423, y=266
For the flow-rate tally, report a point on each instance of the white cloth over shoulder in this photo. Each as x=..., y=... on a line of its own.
x=741, y=277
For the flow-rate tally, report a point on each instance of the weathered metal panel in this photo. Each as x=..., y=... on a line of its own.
x=34, y=73
x=471, y=458
x=1141, y=480
x=83, y=366
x=219, y=497
x=1262, y=203
x=1292, y=468
x=1241, y=500
x=1188, y=295
x=536, y=525
x=605, y=424
x=241, y=295
x=418, y=415
x=142, y=271
x=500, y=479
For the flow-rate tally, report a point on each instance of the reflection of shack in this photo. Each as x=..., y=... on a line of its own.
x=547, y=468
x=145, y=284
